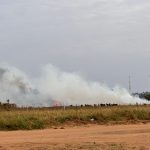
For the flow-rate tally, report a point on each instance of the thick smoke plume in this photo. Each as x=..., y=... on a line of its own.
x=54, y=85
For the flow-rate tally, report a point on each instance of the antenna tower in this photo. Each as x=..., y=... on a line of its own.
x=130, y=84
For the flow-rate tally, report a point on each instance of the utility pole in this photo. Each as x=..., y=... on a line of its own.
x=130, y=84
x=148, y=83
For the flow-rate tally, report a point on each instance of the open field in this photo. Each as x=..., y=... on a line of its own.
x=85, y=128
x=26, y=119
x=89, y=137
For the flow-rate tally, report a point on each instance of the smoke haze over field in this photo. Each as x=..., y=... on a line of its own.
x=55, y=85
x=104, y=39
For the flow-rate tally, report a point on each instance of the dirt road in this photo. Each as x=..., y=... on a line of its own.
x=92, y=137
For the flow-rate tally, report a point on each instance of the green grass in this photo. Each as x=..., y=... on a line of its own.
x=21, y=119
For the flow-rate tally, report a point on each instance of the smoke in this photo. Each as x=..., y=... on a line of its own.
x=55, y=85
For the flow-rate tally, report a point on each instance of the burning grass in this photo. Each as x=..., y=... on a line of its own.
x=27, y=119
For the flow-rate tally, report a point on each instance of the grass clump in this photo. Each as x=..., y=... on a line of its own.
x=15, y=121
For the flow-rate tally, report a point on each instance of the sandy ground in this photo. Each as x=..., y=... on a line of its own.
x=91, y=137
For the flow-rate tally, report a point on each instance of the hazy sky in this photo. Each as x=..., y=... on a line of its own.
x=105, y=40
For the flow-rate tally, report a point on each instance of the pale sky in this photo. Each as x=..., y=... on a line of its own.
x=105, y=40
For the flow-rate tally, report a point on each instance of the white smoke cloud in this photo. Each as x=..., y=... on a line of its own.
x=55, y=85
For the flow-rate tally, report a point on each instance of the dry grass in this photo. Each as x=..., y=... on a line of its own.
x=44, y=118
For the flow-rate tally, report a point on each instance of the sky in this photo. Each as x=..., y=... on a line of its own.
x=104, y=40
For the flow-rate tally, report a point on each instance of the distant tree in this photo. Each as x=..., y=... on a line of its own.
x=145, y=95
x=8, y=101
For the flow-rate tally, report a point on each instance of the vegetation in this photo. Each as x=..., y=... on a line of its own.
x=145, y=95
x=38, y=118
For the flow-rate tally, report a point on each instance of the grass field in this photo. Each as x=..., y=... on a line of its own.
x=27, y=119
